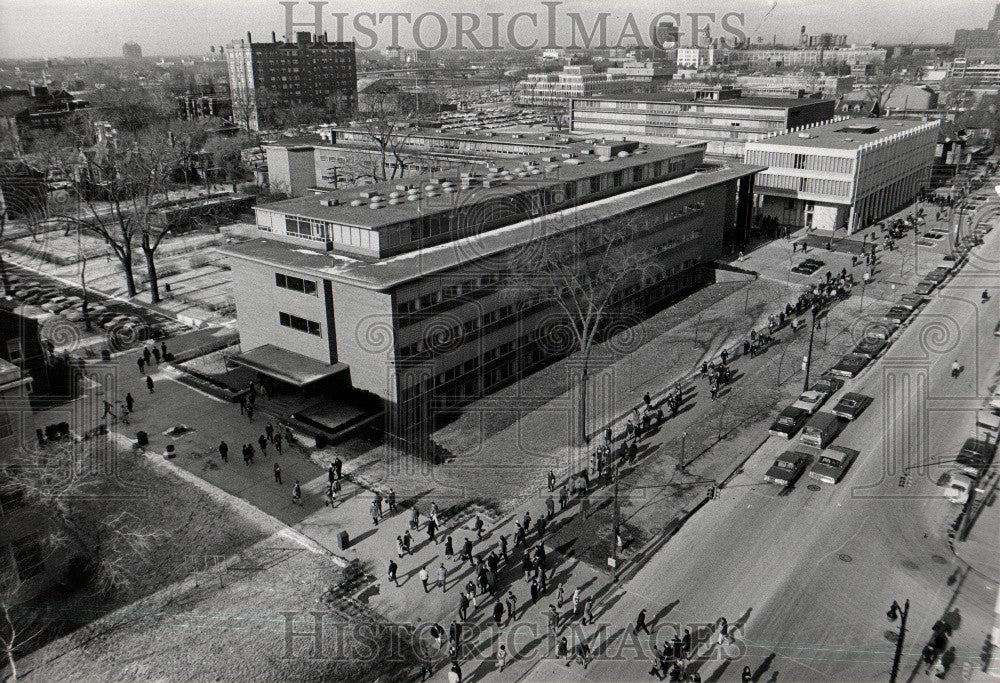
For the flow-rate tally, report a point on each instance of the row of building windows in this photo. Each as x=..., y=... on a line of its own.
x=300, y=324
x=296, y=284
x=838, y=188
x=808, y=162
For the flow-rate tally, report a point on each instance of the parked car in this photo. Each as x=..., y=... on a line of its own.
x=786, y=469
x=851, y=405
x=788, y=422
x=897, y=314
x=811, y=401
x=850, y=365
x=938, y=275
x=870, y=346
x=828, y=383
x=975, y=456
x=832, y=464
x=820, y=430
x=925, y=287
x=910, y=301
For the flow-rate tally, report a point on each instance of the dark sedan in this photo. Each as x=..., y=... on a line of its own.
x=788, y=422
x=850, y=365
x=851, y=405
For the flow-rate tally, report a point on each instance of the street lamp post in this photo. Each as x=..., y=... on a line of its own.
x=812, y=334
x=614, y=532
x=902, y=613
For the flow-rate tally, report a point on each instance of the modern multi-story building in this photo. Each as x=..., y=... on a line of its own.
x=654, y=76
x=401, y=290
x=975, y=39
x=695, y=57
x=807, y=57
x=311, y=70
x=338, y=157
x=784, y=85
x=845, y=174
x=975, y=73
x=131, y=50
x=575, y=80
x=720, y=116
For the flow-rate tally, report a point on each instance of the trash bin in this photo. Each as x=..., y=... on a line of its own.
x=142, y=438
x=344, y=540
x=171, y=453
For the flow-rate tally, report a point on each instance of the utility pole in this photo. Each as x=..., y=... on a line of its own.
x=894, y=611
x=614, y=531
x=812, y=334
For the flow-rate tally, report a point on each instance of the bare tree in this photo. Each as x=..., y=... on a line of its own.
x=880, y=88
x=386, y=125
x=76, y=520
x=586, y=273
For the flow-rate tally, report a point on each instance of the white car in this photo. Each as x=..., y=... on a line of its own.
x=811, y=401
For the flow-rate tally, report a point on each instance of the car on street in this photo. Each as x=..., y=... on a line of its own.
x=870, y=346
x=811, y=401
x=850, y=365
x=938, y=275
x=787, y=468
x=832, y=463
x=882, y=329
x=975, y=456
x=808, y=266
x=897, y=314
x=910, y=301
x=828, y=383
x=925, y=287
x=788, y=422
x=821, y=429
x=851, y=405
x=958, y=484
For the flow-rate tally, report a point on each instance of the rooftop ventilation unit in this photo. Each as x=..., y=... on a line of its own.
x=805, y=135
x=548, y=159
x=567, y=155
x=622, y=154
x=358, y=202
x=516, y=136
x=396, y=200
x=368, y=194
x=573, y=162
x=329, y=202
x=604, y=158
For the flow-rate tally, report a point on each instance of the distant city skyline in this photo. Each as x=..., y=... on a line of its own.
x=99, y=28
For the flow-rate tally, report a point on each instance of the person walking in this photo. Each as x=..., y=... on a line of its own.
x=560, y=594
x=149, y=383
x=534, y=592
x=163, y=350
x=129, y=402
x=502, y=658
x=156, y=355
x=277, y=474
x=224, y=451
x=432, y=530
x=449, y=549
x=498, y=614
x=391, y=500
x=407, y=541
x=723, y=630
x=424, y=579
x=338, y=467
x=442, y=577
x=142, y=365
x=511, y=605
x=552, y=480
x=250, y=413
x=550, y=507
x=146, y=355
x=478, y=527
x=296, y=493
x=467, y=552
x=415, y=518
x=576, y=601
x=400, y=551
x=277, y=443
x=250, y=452
x=640, y=623
x=463, y=607
x=374, y=512
x=747, y=675
x=588, y=612
x=246, y=457
x=330, y=497
x=392, y=572
x=262, y=441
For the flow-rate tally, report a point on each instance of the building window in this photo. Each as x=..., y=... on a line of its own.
x=296, y=284
x=300, y=324
x=11, y=498
x=28, y=557
x=6, y=425
x=14, y=350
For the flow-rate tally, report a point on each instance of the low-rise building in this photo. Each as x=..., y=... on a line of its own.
x=400, y=291
x=719, y=116
x=695, y=57
x=575, y=80
x=845, y=174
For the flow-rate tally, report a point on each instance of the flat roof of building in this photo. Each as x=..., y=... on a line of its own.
x=688, y=98
x=390, y=214
x=527, y=138
x=387, y=273
x=847, y=134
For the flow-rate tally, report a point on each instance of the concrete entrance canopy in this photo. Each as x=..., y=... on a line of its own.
x=287, y=366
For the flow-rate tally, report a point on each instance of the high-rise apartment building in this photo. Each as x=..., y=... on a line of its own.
x=311, y=70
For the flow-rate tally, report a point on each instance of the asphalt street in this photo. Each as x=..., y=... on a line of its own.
x=812, y=571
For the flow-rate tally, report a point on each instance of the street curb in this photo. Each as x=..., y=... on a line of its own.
x=241, y=506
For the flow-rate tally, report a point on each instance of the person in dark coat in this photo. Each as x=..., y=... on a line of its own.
x=149, y=383
x=146, y=355
x=156, y=355
x=277, y=473
x=449, y=549
x=129, y=402
x=224, y=451
x=163, y=349
x=142, y=365
x=431, y=530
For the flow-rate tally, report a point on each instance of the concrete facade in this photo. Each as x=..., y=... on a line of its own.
x=721, y=117
x=845, y=174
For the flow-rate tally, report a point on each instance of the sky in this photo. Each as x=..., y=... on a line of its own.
x=98, y=28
